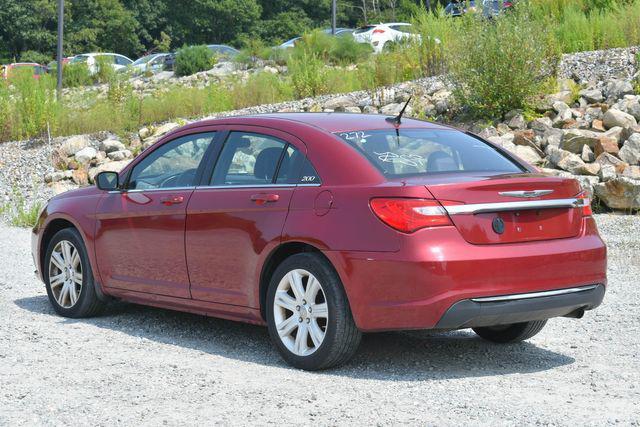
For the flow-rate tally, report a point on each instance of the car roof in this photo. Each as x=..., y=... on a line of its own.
x=329, y=122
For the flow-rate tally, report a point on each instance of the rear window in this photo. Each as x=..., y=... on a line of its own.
x=408, y=152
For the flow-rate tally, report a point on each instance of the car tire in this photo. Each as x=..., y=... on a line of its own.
x=513, y=333
x=68, y=276
x=308, y=339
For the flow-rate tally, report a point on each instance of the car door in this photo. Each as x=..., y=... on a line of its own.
x=140, y=230
x=237, y=216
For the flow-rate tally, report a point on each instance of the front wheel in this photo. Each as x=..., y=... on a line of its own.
x=512, y=333
x=68, y=277
x=308, y=314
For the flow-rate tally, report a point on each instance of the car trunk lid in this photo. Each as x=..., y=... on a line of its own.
x=509, y=208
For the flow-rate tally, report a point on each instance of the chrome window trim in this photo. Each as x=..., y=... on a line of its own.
x=513, y=206
x=143, y=190
x=530, y=295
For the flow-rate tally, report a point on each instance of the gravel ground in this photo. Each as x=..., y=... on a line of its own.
x=138, y=365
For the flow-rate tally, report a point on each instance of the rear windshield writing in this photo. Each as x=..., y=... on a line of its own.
x=422, y=151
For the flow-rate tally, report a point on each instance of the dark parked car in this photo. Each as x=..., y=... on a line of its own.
x=323, y=226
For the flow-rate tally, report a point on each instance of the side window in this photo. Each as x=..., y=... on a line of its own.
x=248, y=159
x=172, y=165
x=121, y=60
x=296, y=169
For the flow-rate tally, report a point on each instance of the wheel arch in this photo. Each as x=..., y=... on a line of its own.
x=276, y=257
x=52, y=227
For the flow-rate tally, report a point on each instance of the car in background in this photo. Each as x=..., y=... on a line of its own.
x=382, y=36
x=117, y=61
x=339, y=32
x=490, y=8
x=153, y=63
x=51, y=66
x=8, y=71
x=224, y=51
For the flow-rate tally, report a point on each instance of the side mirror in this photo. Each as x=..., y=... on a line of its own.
x=107, y=181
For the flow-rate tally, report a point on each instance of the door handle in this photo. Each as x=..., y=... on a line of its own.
x=172, y=200
x=263, y=198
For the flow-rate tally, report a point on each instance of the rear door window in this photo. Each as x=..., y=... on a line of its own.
x=248, y=159
x=295, y=168
x=406, y=152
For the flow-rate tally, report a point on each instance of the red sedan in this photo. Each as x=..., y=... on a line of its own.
x=323, y=226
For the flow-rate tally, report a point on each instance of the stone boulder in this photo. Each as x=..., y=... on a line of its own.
x=74, y=144
x=86, y=155
x=592, y=96
x=613, y=118
x=119, y=155
x=630, y=151
x=339, y=103
x=574, y=139
x=619, y=193
x=606, y=145
x=110, y=145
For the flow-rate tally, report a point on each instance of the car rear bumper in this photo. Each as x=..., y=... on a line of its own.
x=506, y=309
x=436, y=268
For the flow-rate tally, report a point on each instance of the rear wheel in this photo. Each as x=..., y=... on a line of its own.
x=513, y=333
x=308, y=314
x=68, y=276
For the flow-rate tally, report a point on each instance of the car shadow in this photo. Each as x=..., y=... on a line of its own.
x=390, y=356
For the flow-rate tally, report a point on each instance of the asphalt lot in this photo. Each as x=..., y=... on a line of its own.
x=138, y=365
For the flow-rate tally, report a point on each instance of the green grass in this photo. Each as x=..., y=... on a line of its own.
x=19, y=213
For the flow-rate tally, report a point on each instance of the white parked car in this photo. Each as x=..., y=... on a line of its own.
x=383, y=35
x=117, y=61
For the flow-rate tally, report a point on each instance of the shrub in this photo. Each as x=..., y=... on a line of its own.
x=261, y=88
x=21, y=214
x=104, y=69
x=35, y=104
x=498, y=65
x=193, y=59
x=346, y=50
x=33, y=56
x=308, y=73
x=77, y=74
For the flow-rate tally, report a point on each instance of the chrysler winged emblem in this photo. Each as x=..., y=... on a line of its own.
x=529, y=194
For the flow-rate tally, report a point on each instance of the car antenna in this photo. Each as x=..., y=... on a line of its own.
x=397, y=120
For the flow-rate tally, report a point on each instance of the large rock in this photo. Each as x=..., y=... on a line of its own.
x=630, y=151
x=606, y=145
x=609, y=159
x=619, y=193
x=613, y=118
x=632, y=172
x=574, y=139
x=527, y=154
x=394, y=109
x=339, y=103
x=110, y=145
x=165, y=128
x=74, y=144
x=592, y=96
x=119, y=155
x=86, y=155
x=617, y=89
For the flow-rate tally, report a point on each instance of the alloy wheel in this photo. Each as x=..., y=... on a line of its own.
x=65, y=274
x=300, y=312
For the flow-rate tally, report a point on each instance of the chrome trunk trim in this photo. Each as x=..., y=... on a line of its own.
x=515, y=206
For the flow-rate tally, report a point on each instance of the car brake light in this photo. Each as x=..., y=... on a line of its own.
x=378, y=31
x=585, y=204
x=409, y=215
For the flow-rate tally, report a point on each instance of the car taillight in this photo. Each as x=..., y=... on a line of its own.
x=378, y=31
x=409, y=215
x=585, y=204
